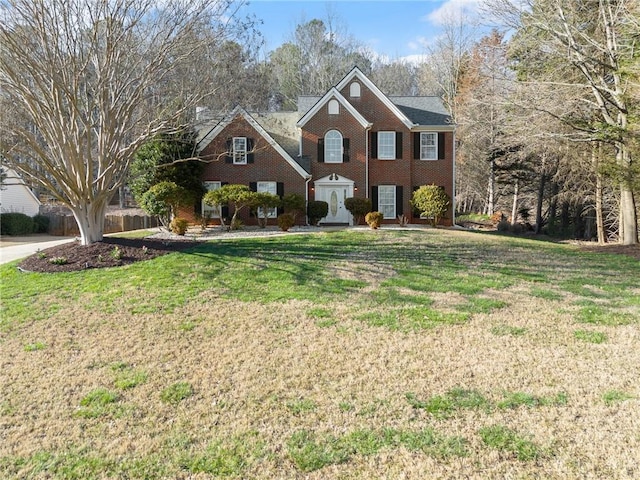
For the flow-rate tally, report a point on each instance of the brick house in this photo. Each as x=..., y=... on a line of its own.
x=354, y=141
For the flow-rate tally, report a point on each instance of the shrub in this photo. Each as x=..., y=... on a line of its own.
x=163, y=200
x=14, y=223
x=432, y=202
x=504, y=226
x=358, y=207
x=40, y=224
x=316, y=211
x=179, y=225
x=286, y=221
x=293, y=203
x=497, y=217
x=374, y=219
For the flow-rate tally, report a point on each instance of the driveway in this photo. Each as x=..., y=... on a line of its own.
x=14, y=248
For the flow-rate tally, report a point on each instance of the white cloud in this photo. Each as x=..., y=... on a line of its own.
x=453, y=9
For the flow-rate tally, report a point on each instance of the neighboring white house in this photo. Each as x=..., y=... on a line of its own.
x=15, y=196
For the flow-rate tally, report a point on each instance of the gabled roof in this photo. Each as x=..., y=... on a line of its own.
x=239, y=111
x=424, y=111
x=357, y=73
x=333, y=93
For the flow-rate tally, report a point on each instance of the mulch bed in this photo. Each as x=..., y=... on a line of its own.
x=110, y=252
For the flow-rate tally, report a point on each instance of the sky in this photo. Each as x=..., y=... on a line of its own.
x=394, y=29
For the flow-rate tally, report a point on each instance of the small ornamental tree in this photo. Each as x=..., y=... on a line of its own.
x=265, y=202
x=293, y=203
x=238, y=196
x=432, y=202
x=358, y=207
x=163, y=200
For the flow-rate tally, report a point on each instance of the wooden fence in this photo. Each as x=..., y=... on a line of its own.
x=65, y=225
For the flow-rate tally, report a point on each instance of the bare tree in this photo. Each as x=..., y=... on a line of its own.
x=89, y=81
x=598, y=41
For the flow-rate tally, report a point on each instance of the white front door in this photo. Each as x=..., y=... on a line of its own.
x=334, y=192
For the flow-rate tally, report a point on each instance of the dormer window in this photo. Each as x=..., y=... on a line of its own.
x=239, y=152
x=334, y=107
x=354, y=89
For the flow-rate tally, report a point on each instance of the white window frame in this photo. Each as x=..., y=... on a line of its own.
x=239, y=150
x=333, y=149
x=211, y=211
x=333, y=107
x=387, y=149
x=428, y=151
x=386, y=206
x=268, y=187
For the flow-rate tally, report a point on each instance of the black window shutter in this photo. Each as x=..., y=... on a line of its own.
x=374, y=144
x=345, y=150
x=441, y=137
x=224, y=211
x=374, y=198
x=416, y=145
x=253, y=186
x=280, y=192
x=250, y=155
x=398, y=144
x=228, y=157
x=321, y=150
x=399, y=201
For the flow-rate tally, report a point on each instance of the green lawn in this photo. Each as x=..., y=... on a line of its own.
x=352, y=354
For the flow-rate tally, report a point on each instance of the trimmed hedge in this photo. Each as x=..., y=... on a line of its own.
x=16, y=224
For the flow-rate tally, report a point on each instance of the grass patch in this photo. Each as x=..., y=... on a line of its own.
x=444, y=406
x=481, y=305
x=176, y=393
x=615, y=396
x=97, y=403
x=523, y=399
x=129, y=378
x=310, y=452
x=228, y=458
x=601, y=315
x=412, y=318
x=505, y=439
x=299, y=407
x=590, y=336
x=34, y=347
x=508, y=330
x=546, y=294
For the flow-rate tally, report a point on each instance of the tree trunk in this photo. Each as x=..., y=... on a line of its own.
x=90, y=220
x=539, y=200
x=628, y=218
x=491, y=188
x=595, y=153
x=514, y=208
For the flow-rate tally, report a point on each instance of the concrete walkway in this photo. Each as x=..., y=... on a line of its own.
x=15, y=248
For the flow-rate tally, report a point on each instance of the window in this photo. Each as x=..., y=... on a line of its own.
x=354, y=89
x=387, y=200
x=334, y=107
x=387, y=145
x=239, y=152
x=428, y=146
x=333, y=147
x=208, y=210
x=268, y=187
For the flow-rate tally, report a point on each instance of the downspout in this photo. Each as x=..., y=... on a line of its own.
x=366, y=161
x=306, y=197
x=453, y=198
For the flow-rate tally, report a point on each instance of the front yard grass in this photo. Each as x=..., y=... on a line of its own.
x=351, y=354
